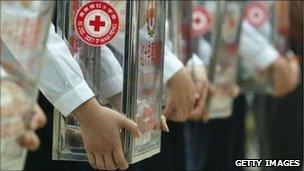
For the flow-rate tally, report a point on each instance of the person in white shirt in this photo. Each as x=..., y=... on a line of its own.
x=261, y=54
x=177, y=79
x=62, y=82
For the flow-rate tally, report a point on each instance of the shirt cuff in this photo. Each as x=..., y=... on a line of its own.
x=111, y=87
x=266, y=57
x=74, y=98
x=171, y=66
x=194, y=61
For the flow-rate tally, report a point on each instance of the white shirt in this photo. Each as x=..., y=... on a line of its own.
x=254, y=47
x=62, y=81
x=171, y=64
x=70, y=89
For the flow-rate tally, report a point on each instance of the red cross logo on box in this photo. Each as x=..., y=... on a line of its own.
x=256, y=13
x=96, y=23
x=201, y=20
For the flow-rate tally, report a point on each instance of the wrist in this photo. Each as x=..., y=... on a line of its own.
x=86, y=108
x=277, y=63
x=177, y=78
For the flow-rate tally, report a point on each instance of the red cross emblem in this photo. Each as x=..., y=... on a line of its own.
x=97, y=23
x=256, y=13
x=201, y=20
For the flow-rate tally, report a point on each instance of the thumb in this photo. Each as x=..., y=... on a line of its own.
x=131, y=126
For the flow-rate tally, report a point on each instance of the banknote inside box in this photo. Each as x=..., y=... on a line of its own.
x=22, y=50
x=138, y=54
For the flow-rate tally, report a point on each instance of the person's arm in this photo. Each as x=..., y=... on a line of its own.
x=171, y=64
x=261, y=54
x=194, y=61
x=254, y=47
x=285, y=75
x=100, y=126
x=204, y=51
x=199, y=76
x=201, y=81
x=109, y=78
x=176, y=77
x=101, y=133
x=61, y=79
x=180, y=88
x=63, y=84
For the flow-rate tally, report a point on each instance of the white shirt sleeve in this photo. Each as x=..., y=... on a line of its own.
x=255, y=48
x=119, y=42
x=195, y=61
x=171, y=64
x=204, y=50
x=61, y=80
x=2, y=72
x=111, y=76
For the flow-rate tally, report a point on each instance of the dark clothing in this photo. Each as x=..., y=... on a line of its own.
x=199, y=146
x=42, y=158
x=284, y=116
x=284, y=121
x=172, y=156
x=226, y=141
x=196, y=145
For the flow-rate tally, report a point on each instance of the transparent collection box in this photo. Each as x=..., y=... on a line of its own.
x=221, y=33
x=207, y=34
x=276, y=29
x=250, y=79
x=179, y=29
x=138, y=51
x=145, y=93
x=222, y=68
x=22, y=51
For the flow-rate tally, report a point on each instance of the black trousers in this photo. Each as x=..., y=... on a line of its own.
x=198, y=146
x=172, y=155
x=285, y=127
x=226, y=140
